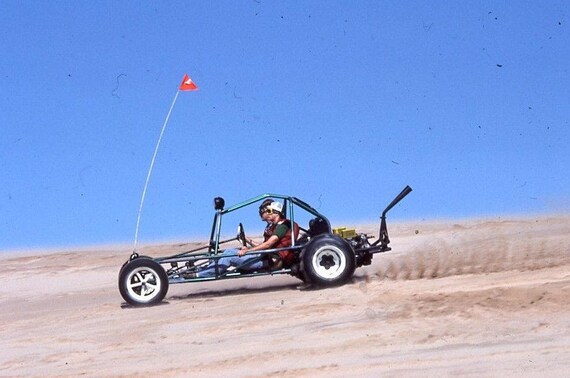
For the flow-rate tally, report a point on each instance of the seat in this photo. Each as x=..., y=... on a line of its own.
x=318, y=226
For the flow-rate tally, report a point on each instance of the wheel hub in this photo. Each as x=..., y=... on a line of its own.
x=327, y=262
x=143, y=284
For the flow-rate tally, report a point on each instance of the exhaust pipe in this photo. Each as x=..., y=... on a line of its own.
x=398, y=198
x=383, y=238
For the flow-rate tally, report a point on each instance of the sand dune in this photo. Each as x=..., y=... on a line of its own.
x=486, y=297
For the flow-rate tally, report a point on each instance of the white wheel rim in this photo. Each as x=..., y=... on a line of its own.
x=143, y=284
x=329, y=262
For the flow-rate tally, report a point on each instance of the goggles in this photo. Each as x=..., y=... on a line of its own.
x=265, y=210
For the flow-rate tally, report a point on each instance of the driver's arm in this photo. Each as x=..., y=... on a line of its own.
x=273, y=239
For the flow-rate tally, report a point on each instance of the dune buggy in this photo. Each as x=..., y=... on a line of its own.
x=323, y=256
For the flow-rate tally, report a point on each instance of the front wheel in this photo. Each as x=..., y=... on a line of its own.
x=143, y=282
x=328, y=261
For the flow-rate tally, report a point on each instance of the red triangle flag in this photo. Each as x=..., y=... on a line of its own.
x=187, y=84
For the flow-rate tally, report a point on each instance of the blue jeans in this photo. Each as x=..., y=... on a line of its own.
x=226, y=261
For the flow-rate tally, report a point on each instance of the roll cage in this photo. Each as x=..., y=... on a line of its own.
x=319, y=224
x=288, y=212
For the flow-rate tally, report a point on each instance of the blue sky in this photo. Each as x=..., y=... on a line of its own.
x=341, y=103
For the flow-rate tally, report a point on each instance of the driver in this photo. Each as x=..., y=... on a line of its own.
x=277, y=232
x=264, y=215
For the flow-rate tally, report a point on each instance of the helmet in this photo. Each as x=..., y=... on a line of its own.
x=276, y=207
x=264, y=205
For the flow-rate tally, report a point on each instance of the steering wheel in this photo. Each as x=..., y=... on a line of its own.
x=241, y=235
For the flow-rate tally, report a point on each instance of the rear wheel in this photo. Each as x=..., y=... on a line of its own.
x=143, y=282
x=328, y=260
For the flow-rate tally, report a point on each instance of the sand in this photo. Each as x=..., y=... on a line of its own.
x=483, y=297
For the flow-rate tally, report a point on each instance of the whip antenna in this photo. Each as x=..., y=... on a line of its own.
x=186, y=85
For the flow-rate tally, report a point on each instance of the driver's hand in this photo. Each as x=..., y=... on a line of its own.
x=242, y=251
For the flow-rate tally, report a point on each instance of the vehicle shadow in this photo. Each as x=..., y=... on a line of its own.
x=208, y=294
x=223, y=292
